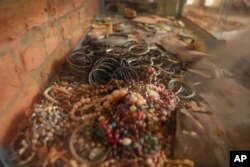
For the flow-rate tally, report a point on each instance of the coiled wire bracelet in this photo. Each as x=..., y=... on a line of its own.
x=181, y=88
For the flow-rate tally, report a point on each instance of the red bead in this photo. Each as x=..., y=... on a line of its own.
x=139, y=114
x=139, y=150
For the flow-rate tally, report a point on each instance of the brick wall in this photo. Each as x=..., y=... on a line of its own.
x=35, y=37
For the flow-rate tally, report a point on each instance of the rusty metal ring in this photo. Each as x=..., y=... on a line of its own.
x=139, y=49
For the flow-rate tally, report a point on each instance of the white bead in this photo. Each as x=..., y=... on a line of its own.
x=126, y=141
x=96, y=153
x=149, y=161
x=133, y=108
x=101, y=118
x=154, y=94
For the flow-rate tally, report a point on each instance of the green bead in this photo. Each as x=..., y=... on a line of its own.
x=151, y=105
x=146, y=137
x=110, y=126
x=151, y=151
x=135, y=145
x=141, y=140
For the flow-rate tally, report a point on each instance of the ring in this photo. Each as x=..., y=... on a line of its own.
x=138, y=50
x=87, y=127
x=184, y=90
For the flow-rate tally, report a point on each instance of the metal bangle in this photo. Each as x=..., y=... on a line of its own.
x=73, y=151
x=184, y=92
x=143, y=49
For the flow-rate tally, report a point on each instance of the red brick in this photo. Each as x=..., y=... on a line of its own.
x=12, y=117
x=33, y=55
x=66, y=28
x=10, y=78
x=74, y=19
x=92, y=7
x=62, y=52
x=10, y=120
x=47, y=71
x=31, y=90
x=53, y=37
x=74, y=40
x=32, y=86
x=54, y=63
x=58, y=8
x=78, y=32
x=7, y=93
x=82, y=15
x=19, y=16
x=77, y=2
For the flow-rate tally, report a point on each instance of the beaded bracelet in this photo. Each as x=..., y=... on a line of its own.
x=48, y=97
x=76, y=107
x=88, y=129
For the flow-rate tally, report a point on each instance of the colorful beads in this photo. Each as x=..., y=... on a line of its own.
x=127, y=120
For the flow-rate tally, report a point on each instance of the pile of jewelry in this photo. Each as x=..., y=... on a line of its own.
x=118, y=111
x=99, y=63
